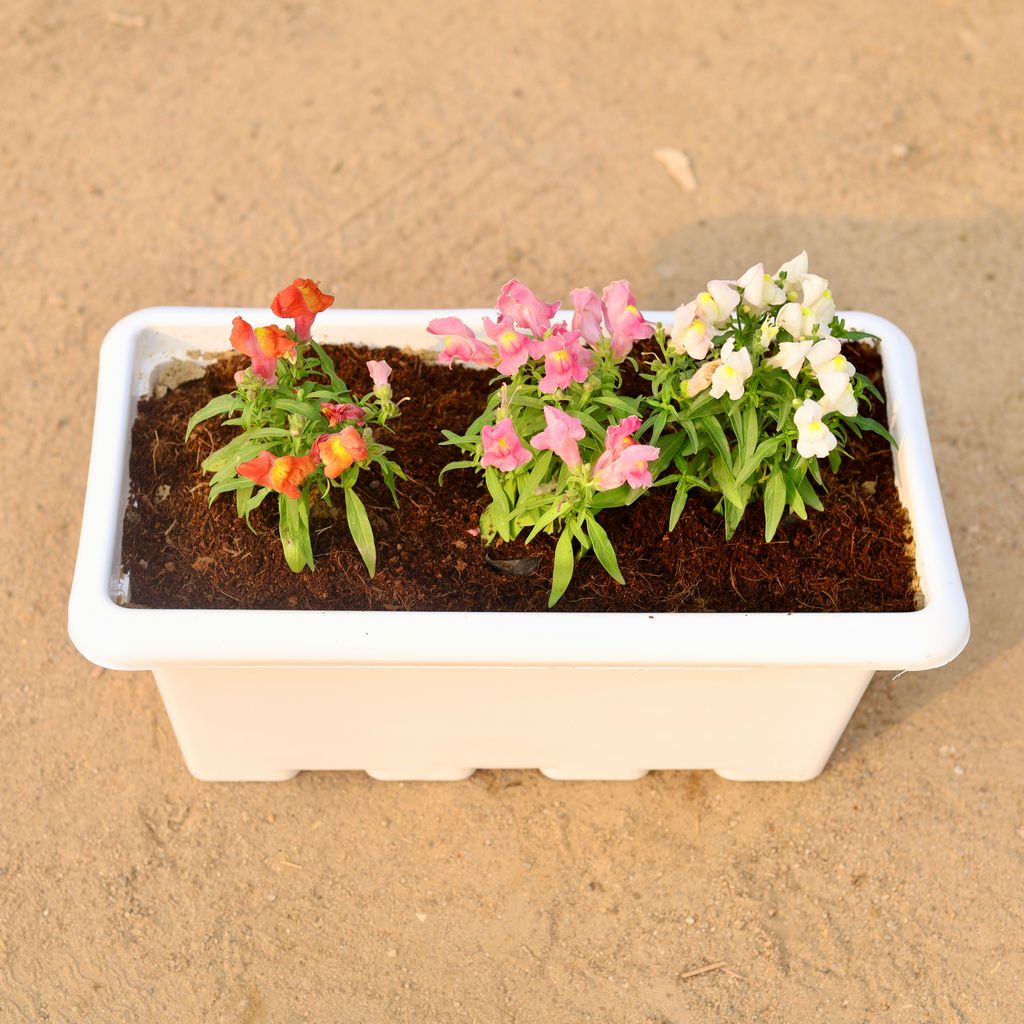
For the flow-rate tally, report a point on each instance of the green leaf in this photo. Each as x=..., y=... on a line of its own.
x=760, y=454
x=242, y=496
x=226, y=487
x=528, y=487
x=796, y=503
x=293, y=529
x=657, y=426
x=546, y=520
x=500, y=510
x=565, y=562
x=774, y=502
x=691, y=433
x=678, y=504
x=327, y=365
x=716, y=435
x=726, y=482
x=750, y=434
x=526, y=401
x=257, y=499
x=733, y=515
x=868, y=386
x=626, y=406
x=671, y=446
x=307, y=409
x=461, y=464
x=219, y=406
x=588, y=421
x=359, y=527
x=603, y=549
x=866, y=423
x=809, y=495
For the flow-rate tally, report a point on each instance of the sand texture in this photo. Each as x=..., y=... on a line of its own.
x=413, y=154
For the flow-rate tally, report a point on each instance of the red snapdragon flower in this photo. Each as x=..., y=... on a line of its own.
x=339, y=451
x=263, y=346
x=284, y=473
x=338, y=412
x=301, y=300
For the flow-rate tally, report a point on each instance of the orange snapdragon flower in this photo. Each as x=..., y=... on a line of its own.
x=339, y=451
x=301, y=300
x=263, y=346
x=284, y=473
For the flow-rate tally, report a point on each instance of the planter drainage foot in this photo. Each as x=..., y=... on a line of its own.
x=423, y=774
x=594, y=774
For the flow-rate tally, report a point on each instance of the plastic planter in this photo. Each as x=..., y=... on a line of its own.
x=430, y=695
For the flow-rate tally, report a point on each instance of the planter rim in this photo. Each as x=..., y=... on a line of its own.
x=120, y=637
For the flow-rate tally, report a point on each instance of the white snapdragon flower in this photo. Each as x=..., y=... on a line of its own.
x=751, y=285
x=696, y=324
x=791, y=319
x=732, y=375
x=718, y=303
x=766, y=333
x=691, y=334
x=814, y=439
x=840, y=399
x=791, y=356
x=802, y=321
x=822, y=352
x=759, y=289
x=795, y=271
x=818, y=299
x=833, y=372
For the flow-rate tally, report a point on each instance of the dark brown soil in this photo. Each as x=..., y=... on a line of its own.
x=854, y=556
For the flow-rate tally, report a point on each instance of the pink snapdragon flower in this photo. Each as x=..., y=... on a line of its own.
x=460, y=342
x=338, y=412
x=626, y=324
x=623, y=460
x=513, y=347
x=502, y=447
x=620, y=436
x=379, y=372
x=515, y=300
x=565, y=360
x=560, y=436
x=589, y=314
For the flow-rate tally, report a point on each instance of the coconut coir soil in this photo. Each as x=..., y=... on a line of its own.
x=854, y=556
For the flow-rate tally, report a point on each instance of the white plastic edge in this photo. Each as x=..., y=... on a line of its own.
x=134, y=638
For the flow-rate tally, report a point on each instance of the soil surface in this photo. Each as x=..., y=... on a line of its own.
x=417, y=155
x=853, y=556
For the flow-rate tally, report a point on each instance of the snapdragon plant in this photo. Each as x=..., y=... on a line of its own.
x=301, y=430
x=556, y=443
x=751, y=390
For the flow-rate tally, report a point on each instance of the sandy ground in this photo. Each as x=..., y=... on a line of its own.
x=417, y=154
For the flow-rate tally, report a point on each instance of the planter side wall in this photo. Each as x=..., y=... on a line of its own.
x=443, y=722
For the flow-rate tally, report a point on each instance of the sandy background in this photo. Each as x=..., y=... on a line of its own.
x=417, y=154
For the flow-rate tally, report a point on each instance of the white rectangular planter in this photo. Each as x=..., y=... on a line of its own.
x=421, y=695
